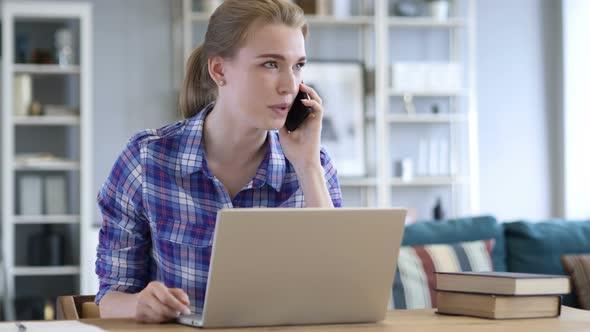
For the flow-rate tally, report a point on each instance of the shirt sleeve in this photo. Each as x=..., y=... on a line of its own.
x=122, y=260
x=331, y=176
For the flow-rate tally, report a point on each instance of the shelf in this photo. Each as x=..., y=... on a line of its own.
x=422, y=181
x=416, y=181
x=45, y=165
x=65, y=92
x=200, y=17
x=453, y=93
x=311, y=19
x=47, y=219
x=47, y=120
x=333, y=20
x=421, y=118
x=357, y=182
x=425, y=22
x=46, y=69
x=426, y=118
x=46, y=270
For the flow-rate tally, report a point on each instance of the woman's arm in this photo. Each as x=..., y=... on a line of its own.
x=314, y=187
x=118, y=305
x=123, y=253
x=315, y=172
x=155, y=303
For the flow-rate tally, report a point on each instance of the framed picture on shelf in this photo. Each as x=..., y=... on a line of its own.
x=341, y=87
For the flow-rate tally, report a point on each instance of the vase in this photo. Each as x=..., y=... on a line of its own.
x=439, y=9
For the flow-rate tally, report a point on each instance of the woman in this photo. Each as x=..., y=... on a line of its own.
x=161, y=199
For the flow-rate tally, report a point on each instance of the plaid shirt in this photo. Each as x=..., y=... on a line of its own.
x=160, y=202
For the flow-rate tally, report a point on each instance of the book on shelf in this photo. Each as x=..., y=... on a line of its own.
x=22, y=94
x=43, y=159
x=60, y=110
x=55, y=194
x=30, y=194
x=503, y=283
x=498, y=306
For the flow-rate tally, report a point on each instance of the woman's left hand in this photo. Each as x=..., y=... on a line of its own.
x=302, y=146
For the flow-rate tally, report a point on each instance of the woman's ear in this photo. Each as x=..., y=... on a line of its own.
x=216, y=70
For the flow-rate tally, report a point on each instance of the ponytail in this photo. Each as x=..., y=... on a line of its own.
x=198, y=88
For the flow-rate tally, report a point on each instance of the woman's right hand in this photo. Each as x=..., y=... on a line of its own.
x=157, y=303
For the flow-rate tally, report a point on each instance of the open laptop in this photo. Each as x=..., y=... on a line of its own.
x=300, y=266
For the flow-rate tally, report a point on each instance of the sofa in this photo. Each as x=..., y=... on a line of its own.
x=517, y=246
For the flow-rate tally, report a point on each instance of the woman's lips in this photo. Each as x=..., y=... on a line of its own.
x=280, y=109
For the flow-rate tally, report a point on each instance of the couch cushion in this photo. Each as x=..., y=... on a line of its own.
x=459, y=230
x=538, y=247
x=578, y=267
x=415, y=282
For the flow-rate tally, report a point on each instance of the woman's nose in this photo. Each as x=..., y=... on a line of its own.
x=289, y=83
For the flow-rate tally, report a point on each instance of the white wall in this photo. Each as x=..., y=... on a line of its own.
x=576, y=53
x=133, y=79
x=517, y=107
x=133, y=74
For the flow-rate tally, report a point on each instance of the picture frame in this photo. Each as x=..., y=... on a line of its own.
x=341, y=86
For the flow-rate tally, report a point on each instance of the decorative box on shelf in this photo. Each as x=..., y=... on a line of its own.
x=423, y=77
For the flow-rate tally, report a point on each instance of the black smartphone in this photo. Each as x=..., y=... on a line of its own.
x=298, y=112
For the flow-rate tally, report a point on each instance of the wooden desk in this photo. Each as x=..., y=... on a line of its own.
x=399, y=320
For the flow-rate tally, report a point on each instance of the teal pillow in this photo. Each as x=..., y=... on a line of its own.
x=459, y=230
x=538, y=247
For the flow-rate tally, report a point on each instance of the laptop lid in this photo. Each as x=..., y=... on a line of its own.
x=302, y=266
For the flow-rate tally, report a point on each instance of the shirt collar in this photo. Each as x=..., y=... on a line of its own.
x=272, y=170
x=192, y=154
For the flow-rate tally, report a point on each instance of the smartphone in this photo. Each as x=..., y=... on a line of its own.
x=298, y=112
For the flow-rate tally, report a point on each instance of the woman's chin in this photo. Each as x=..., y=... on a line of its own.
x=276, y=124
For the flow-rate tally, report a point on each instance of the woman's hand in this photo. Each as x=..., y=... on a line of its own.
x=157, y=303
x=302, y=146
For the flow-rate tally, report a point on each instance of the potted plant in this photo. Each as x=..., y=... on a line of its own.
x=438, y=9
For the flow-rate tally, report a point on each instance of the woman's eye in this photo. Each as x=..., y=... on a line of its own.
x=300, y=65
x=270, y=64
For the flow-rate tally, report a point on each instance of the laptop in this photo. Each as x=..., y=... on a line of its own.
x=272, y=267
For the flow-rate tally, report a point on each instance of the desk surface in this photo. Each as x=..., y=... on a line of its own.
x=399, y=320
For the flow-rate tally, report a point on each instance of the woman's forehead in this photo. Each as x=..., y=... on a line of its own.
x=274, y=39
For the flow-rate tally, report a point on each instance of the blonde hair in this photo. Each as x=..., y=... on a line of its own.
x=227, y=30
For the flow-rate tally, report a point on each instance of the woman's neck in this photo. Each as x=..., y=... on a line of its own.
x=227, y=142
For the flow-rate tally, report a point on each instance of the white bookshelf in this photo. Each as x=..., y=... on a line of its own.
x=46, y=69
x=47, y=120
x=62, y=165
x=421, y=22
x=76, y=171
x=449, y=93
x=312, y=19
x=357, y=182
x=425, y=118
x=460, y=118
x=375, y=49
x=46, y=219
x=330, y=20
x=199, y=17
x=46, y=270
x=426, y=181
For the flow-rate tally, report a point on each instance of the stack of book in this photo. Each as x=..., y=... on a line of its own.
x=500, y=295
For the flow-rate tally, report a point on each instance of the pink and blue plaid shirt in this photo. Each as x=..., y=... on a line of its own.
x=160, y=202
